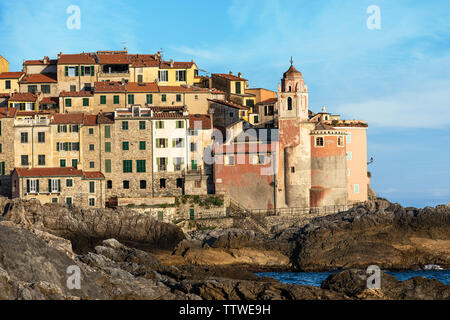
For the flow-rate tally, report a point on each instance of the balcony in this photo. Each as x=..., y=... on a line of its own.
x=31, y=122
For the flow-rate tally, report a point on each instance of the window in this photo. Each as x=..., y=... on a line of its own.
x=161, y=164
x=41, y=160
x=340, y=141
x=289, y=102
x=178, y=143
x=127, y=166
x=24, y=137
x=140, y=78
x=238, y=87
x=69, y=183
x=126, y=184
x=177, y=163
x=292, y=169
x=349, y=138
x=74, y=163
x=62, y=163
x=163, y=98
x=193, y=146
x=124, y=125
x=143, y=184
x=62, y=128
x=178, y=97
x=1, y=148
x=249, y=103
x=319, y=142
x=91, y=186
x=32, y=185
x=140, y=166
x=125, y=145
x=2, y=168
x=116, y=99
x=107, y=132
x=91, y=147
x=161, y=143
x=356, y=188
x=107, y=146
x=108, y=165
x=348, y=172
x=163, y=75
x=141, y=125
x=8, y=84
x=179, y=183
x=349, y=155
x=87, y=87
x=180, y=124
x=268, y=110
x=131, y=99
x=73, y=128
x=162, y=183
x=196, y=97
x=24, y=160
x=73, y=88
x=180, y=75
x=102, y=99
x=149, y=98
x=142, y=145
x=229, y=160
x=159, y=124
x=45, y=88
x=92, y=164
x=41, y=137
x=91, y=202
x=68, y=102
x=54, y=200
x=109, y=184
x=85, y=102
x=54, y=185
x=255, y=119
x=32, y=88
x=69, y=201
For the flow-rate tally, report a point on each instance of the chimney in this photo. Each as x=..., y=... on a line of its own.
x=231, y=73
x=171, y=63
x=46, y=60
x=239, y=75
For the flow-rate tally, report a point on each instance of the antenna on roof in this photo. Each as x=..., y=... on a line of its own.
x=124, y=46
x=291, y=61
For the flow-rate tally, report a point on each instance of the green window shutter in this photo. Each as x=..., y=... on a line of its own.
x=92, y=70
x=49, y=185
x=28, y=185
x=0, y=128
x=125, y=145
x=3, y=168
x=62, y=163
x=59, y=185
x=77, y=70
x=74, y=163
x=107, y=132
x=141, y=145
x=82, y=71
x=163, y=98
x=140, y=164
x=37, y=186
x=102, y=99
x=127, y=166
x=174, y=143
x=116, y=99
x=108, y=165
x=85, y=102
x=68, y=102
x=142, y=125
x=107, y=146
x=91, y=186
x=158, y=161
x=124, y=125
x=130, y=99
x=166, y=142
x=57, y=146
x=149, y=98
x=67, y=71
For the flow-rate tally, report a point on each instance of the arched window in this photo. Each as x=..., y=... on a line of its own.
x=289, y=103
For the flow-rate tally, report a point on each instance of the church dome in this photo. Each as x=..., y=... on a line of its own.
x=292, y=72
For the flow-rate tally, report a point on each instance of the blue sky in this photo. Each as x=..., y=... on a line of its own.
x=396, y=78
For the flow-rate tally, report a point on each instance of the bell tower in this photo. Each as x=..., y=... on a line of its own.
x=293, y=95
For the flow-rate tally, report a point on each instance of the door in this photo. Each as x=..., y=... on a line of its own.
x=191, y=214
x=194, y=164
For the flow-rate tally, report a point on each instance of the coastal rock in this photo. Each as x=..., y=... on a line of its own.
x=375, y=233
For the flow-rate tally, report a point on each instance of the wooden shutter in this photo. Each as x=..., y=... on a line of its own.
x=49, y=185
x=28, y=185
x=37, y=186
x=92, y=70
x=67, y=71
x=59, y=185
x=77, y=70
x=82, y=71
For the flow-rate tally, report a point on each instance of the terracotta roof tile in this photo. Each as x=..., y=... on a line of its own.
x=76, y=94
x=229, y=104
x=168, y=115
x=6, y=112
x=90, y=120
x=11, y=75
x=80, y=58
x=109, y=86
x=49, y=100
x=24, y=97
x=45, y=61
x=269, y=101
x=228, y=76
x=40, y=78
x=68, y=118
x=176, y=65
x=113, y=59
x=93, y=175
x=142, y=87
x=204, y=119
x=49, y=172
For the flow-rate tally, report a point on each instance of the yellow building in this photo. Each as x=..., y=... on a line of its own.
x=4, y=65
x=24, y=101
x=9, y=81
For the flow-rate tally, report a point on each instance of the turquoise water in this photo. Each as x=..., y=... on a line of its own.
x=316, y=278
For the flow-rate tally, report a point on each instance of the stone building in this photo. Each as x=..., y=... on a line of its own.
x=7, y=154
x=9, y=81
x=59, y=185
